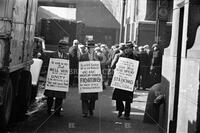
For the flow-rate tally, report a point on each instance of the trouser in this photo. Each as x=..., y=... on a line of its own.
x=87, y=105
x=58, y=104
x=120, y=107
x=73, y=79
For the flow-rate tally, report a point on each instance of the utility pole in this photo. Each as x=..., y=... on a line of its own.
x=121, y=35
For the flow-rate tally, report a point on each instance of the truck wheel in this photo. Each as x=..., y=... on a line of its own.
x=6, y=108
x=24, y=93
x=15, y=78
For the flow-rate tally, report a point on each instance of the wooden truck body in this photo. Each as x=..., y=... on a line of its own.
x=17, y=28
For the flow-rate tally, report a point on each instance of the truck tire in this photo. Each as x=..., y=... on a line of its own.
x=24, y=94
x=6, y=108
x=15, y=77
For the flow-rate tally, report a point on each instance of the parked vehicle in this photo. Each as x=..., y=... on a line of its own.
x=53, y=30
x=40, y=52
x=17, y=28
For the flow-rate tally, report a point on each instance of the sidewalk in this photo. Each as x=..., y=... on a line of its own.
x=105, y=118
x=136, y=124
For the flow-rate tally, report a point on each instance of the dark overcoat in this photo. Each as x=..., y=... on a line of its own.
x=52, y=93
x=87, y=96
x=118, y=94
x=156, y=64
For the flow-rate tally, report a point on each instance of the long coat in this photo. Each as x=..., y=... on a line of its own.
x=86, y=96
x=156, y=64
x=52, y=93
x=144, y=69
x=118, y=94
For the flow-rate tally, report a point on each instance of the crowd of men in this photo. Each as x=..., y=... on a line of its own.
x=149, y=72
x=150, y=59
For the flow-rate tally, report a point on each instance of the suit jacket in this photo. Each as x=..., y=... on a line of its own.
x=52, y=93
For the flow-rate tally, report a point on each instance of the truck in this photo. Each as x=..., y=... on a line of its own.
x=17, y=29
x=52, y=30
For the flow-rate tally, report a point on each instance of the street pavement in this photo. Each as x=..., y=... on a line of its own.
x=104, y=120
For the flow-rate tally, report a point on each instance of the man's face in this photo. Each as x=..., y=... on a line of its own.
x=91, y=49
x=76, y=44
x=129, y=50
x=155, y=48
x=63, y=49
x=83, y=49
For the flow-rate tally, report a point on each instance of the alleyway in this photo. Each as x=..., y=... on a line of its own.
x=104, y=120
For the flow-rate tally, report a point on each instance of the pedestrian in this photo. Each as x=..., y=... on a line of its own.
x=120, y=95
x=156, y=64
x=88, y=99
x=113, y=52
x=147, y=82
x=105, y=62
x=143, y=68
x=98, y=55
x=73, y=63
x=52, y=95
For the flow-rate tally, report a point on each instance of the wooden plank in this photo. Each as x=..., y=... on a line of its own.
x=30, y=29
x=5, y=16
x=17, y=41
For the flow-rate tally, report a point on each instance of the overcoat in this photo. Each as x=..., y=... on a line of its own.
x=118, y=94
x=156, y=64
x=52, y=93
x=87, y=96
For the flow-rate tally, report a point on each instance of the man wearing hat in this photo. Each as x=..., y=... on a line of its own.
x=126, y=51
x=58, y=95
x=87, y=99
x=156, y=63
x=121, y=95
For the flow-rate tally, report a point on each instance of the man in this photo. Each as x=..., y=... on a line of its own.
x=58, y=95
x=122, y=95
x=88, y=99
x=148, y=58
x=73, y=63
x=156, y=63
x=126, y=51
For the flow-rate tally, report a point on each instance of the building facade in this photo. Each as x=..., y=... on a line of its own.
x=179, y=35
x=181, y=69
x=175, y=24
x=100, y=22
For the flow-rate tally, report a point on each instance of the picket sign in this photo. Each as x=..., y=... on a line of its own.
x=125, y=74
x=58, y=75
x=90, y=77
